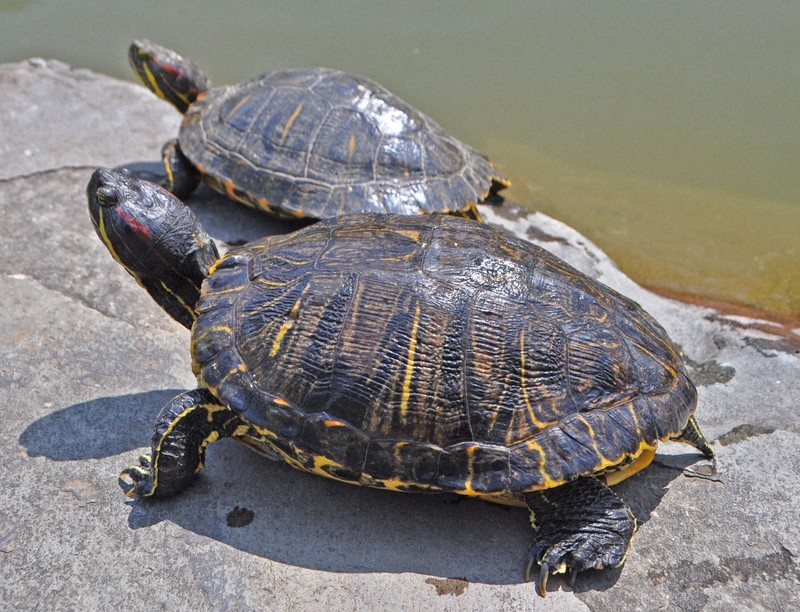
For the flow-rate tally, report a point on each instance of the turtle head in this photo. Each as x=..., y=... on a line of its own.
x=167, y=74
x=155, y=237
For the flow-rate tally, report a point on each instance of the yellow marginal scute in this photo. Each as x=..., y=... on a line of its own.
x=230, y=190
x=263, y=431
x=468, y=490
x=290, y=460
x=320, y=463
x=592, y=436
x=394, y=484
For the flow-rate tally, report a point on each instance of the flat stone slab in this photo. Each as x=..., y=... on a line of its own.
x=88, y=360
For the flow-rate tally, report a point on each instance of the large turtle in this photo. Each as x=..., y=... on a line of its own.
x=411, y=353
x=311, y=143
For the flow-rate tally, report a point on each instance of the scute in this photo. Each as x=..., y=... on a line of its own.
x=599, y=368
x=434, y=353
x=322, y=143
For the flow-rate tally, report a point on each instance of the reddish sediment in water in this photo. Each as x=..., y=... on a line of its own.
x=777, y=324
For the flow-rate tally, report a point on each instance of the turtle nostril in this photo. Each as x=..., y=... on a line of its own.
x=102, y=176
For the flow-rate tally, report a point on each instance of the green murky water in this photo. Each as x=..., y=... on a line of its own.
x=667, y=132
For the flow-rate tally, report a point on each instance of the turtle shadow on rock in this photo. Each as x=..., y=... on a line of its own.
x=97, y=428
x=306, y=521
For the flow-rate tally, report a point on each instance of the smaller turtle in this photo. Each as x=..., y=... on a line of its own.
x=314, y=143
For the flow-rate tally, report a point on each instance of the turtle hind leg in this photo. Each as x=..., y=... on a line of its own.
x=580, y=525
x=184, y=427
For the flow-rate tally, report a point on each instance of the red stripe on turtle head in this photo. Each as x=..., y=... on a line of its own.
x=133, y=223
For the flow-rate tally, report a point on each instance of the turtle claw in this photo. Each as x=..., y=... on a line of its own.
x=544, y=574
x=137, y=480
x=555, y=565
x=573, y=575
x=529, y=565
x=544, y=571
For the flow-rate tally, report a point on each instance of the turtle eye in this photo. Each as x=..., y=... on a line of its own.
x=107, y=196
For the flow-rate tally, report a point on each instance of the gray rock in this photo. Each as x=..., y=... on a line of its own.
x=88, y=359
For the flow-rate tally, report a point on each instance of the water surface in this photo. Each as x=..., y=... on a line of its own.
x=667, y=132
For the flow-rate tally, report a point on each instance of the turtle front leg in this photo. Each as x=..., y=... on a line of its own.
x=183, y=429
x=182, y=176
x=580, y=525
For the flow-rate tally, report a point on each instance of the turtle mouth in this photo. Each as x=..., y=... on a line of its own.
x=141, y=52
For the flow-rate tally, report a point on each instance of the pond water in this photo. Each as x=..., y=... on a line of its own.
x=667, y=132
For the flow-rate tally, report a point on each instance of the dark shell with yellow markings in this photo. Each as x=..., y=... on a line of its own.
x=320, y=143
x=434, y=353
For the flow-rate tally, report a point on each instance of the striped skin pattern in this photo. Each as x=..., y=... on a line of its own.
x=432, y=353
x=320, y=143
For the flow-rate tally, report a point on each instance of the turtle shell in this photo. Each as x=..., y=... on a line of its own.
x=320, y=143
x=434, y=353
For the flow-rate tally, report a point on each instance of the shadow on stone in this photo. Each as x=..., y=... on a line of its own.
x=102, y=427
x=644, y=491
x=311, y=522
x=236, y=223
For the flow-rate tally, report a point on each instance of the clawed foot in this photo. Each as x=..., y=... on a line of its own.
x=572, y=555
x=580, y=525
x=137, y=480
